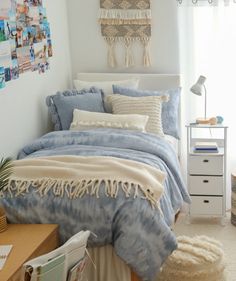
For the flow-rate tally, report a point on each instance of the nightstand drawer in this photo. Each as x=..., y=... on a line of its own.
x=206, y=205
x=205, y=165
x=205, y=185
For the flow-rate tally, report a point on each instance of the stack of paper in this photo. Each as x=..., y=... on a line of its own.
x=206, y=147
x=4, y=252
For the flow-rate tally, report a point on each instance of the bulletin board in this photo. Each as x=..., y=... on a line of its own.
x=25, y=39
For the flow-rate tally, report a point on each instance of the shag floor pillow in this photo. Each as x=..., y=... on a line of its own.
x=198, y=258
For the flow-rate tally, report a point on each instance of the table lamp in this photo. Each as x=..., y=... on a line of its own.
x=199, y=89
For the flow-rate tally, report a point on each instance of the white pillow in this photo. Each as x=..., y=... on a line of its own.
x=149, y=105
x=83, y=120
x=106, y=86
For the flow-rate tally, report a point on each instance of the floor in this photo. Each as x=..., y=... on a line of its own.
x=212, y=227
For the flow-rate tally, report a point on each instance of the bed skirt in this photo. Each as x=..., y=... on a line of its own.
x=108, y=266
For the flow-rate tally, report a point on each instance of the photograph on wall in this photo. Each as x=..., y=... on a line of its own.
x=10, y=29
x=19, y=37
x=2, y=77
x=15, y=70
x=21, y=2
x=12, y=12
x=42, y=15
x=23, y=57
x=33, y=16
x=25, y=38
x=49, y=43
x=12, y=15
x=2, y=31
x=7, y=74
x=40, y=55
x=34, y=66
x=31, y=34
x=22, y=18
x=45, y=27
x=35, y=2
x=39, y=34
x=5, y=54
x=13, y=49
x=5, y=8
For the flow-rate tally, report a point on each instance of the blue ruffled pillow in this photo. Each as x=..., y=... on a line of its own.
x=62, y=105
x=170, y=109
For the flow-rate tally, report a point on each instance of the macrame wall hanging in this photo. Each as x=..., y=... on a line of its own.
x=128, y=22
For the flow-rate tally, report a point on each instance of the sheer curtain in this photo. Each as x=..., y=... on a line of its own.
x=208, y=47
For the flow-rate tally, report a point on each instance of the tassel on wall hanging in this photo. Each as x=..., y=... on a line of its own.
x=126, y=21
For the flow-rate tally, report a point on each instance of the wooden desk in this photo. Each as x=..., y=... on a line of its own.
x=29, y=241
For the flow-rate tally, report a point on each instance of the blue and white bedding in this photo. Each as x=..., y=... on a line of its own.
x=140, y=235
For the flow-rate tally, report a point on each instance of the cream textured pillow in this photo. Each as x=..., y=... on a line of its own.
x=83, y=120
x=106, y=86
x=150, y=106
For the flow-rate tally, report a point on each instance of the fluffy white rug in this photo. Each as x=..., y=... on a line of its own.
x=198, y=258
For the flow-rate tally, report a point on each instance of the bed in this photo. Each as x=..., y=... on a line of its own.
x=131, y=223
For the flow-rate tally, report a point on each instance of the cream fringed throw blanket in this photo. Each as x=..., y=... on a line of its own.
x=76, y=176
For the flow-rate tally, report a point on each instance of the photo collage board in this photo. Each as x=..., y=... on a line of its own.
x=25, y=39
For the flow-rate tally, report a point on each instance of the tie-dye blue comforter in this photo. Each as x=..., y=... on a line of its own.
x=140, y=235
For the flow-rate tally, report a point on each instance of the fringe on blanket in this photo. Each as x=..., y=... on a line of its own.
x=78, y=188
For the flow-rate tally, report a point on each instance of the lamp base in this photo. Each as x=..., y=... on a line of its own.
x=206, y=121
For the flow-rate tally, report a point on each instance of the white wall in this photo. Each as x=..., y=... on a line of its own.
x=88, y=49
x=23, y=112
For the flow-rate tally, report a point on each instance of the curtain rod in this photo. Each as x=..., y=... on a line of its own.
x=209, y=1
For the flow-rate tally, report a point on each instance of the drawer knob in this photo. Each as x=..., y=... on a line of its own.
x=206, y=181
x=205, y=161
x=206, y=201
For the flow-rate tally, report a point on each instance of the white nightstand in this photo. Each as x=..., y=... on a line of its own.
x=206, y=179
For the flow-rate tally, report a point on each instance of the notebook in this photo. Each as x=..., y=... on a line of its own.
x=76, y=272
x=4, y=252
x=52, y=270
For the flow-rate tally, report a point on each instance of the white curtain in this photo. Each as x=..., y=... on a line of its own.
x=208, y=47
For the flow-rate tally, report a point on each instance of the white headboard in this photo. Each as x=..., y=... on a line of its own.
x=146, y=82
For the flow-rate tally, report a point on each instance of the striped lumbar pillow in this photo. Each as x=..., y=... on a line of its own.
x=150, y=106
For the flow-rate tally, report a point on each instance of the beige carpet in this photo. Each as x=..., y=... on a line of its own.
x=212, y=227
